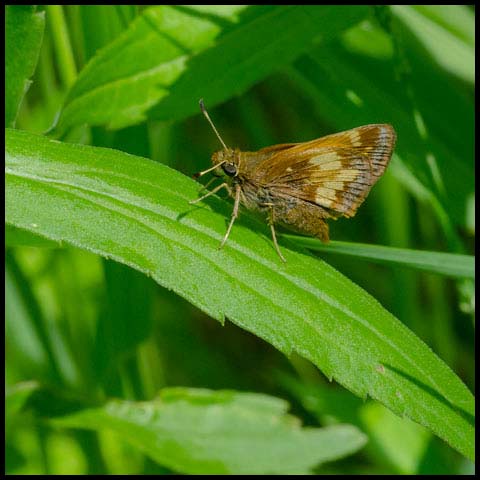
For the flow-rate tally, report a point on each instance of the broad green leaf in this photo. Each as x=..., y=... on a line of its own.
x=136, y=211
x=197, y=431
x=23, y=39
x=252, y=51
x=449, y=264
x=158, y=59
x=131, y=74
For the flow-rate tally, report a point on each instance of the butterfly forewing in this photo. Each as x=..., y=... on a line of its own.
x=335, y=172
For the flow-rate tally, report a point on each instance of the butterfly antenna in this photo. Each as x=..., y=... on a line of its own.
x=207, y=116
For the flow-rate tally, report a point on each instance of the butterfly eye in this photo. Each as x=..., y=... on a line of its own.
x=230, y=169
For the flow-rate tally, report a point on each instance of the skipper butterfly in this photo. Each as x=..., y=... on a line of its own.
x=301, y=185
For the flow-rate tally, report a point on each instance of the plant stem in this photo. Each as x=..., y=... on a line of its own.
x=62, y=45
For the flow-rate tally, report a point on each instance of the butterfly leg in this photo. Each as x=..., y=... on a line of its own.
x=271, y=220
x=234, y=214
x=215, y=190
x=205, y=187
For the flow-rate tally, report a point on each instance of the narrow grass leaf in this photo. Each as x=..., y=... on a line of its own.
x=457, y=19
x=454, y=54
x=448, y=264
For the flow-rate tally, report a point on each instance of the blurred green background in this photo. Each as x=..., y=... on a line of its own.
x=100, y=329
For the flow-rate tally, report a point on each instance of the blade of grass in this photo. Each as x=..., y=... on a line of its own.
x=458, y=19
x=452, y=53
x=448, y=264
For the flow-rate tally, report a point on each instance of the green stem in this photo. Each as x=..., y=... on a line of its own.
x=62, y=45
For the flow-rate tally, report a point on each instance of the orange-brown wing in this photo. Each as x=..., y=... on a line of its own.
x=335, y=172
x=250, y=160
x=277, y=148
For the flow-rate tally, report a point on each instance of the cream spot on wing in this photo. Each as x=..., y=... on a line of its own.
x=324, y=158
x=289, y=169
x=330, y=165
x=324, y=194
x=355, y=138
x=325, y=202
x=347, y=175
x=334, y=185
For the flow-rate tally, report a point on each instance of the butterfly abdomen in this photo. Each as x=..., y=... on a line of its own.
x=303, y=217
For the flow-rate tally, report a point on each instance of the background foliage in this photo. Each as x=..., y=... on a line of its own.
x=94, y=347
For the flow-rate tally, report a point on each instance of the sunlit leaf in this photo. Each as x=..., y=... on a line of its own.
x=158, y=61
x=219, y=432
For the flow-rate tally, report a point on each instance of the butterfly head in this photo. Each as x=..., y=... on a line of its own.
x=226, y=162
